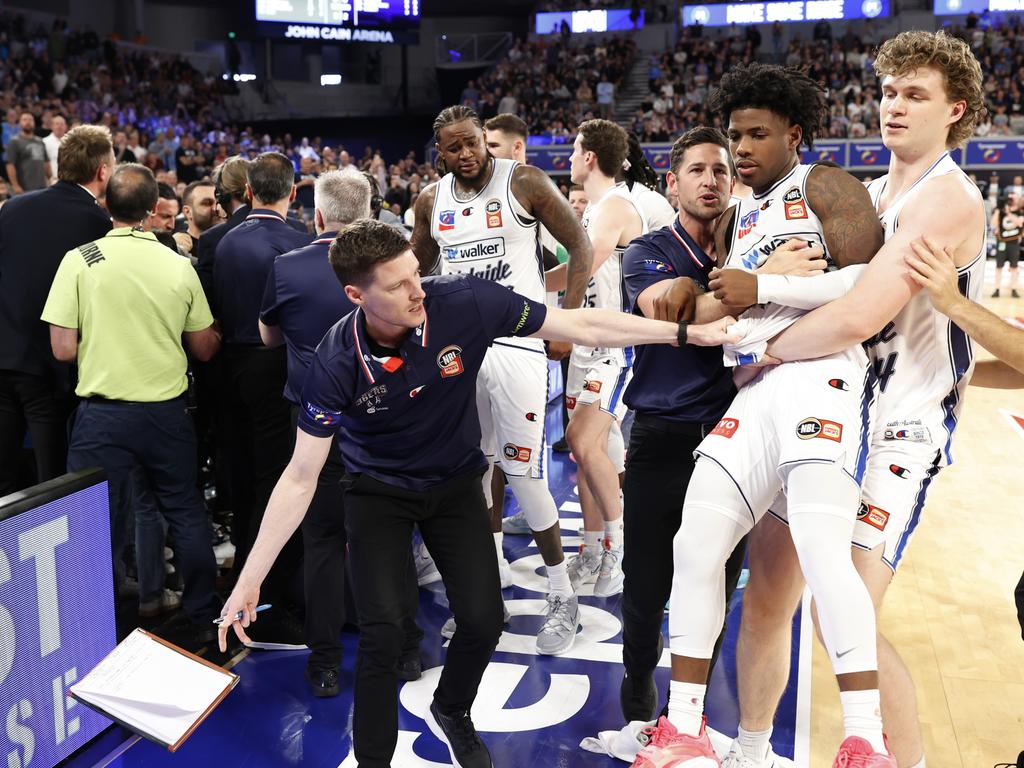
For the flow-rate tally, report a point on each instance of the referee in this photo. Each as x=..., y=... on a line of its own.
x=119, y=307
x=398, y=377
x=663, y=272
x=301, y=302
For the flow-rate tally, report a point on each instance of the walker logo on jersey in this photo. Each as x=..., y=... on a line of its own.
x=653, y=265
x=796, y=208
x=839, y=384
x=873, y=516
x=488, y=248
x=747, y=223
x=449, y=360
x=899, y=471
x=321, y=416
x=493, y=213
x=414, y=392
x=726, y=428
x=592, y=386
x=516, y=452
x=446, y=220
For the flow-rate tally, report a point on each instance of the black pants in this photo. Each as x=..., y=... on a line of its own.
x=258, y=445
x=153, y=443
x=659, y=463
x=1019, y=597
x=29, y=401
x=455, y=524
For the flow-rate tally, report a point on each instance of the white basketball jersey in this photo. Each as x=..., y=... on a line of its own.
x=922, y=360
x=490, y=235
x=760, y=225
x=655, y=210
x=606, y=289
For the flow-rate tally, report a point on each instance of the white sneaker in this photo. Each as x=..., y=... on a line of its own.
x=504, y=572
x=558, y=633
x=609, y=580
x=736, y=759
x=516, y=524
x=426, y=571
x=225, y=554
x=584, y=567
x=167, y=602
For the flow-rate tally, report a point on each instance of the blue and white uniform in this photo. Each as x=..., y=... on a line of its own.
x=490, y=235
x=922, y=363
x=808, y=411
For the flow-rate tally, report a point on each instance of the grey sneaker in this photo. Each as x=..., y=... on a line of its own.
x=516, y=524
x=584, y=567
x=559, y=631
x=448, y=630
x=610, y=578
x=426, y=571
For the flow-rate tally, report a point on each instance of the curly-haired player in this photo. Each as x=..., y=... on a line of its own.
x=798, y=427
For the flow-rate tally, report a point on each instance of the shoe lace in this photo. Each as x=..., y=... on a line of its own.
x=848, y=759
x=463, y=733
x=656, y=737
x=558, y=616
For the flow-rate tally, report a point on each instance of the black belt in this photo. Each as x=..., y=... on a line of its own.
x=108, y=401
x=673, y=427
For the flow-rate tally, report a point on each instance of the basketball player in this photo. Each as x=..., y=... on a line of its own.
x=931, y=100
x=481, y=218
x=794, y=427
x=598, y=376
x=642, y=181
x=1006, y=223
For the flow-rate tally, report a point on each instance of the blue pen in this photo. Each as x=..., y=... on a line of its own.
x=238, y=616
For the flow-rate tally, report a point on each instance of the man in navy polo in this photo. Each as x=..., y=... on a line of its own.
x=398, y=378
x=260, y=435
x=301, y=302
x=678, y=396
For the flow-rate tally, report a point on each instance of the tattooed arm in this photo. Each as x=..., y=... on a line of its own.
x=542, y=200
x=423, y=244
x=848, y=217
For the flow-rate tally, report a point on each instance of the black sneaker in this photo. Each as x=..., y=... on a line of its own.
x=561, y=446
x=410, y=668
x=1014, y=294
x=638, y=697
x=995, y=294
x=457, y=732
x=323, y=682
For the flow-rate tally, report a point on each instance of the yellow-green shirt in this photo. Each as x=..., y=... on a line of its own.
x=130, y=298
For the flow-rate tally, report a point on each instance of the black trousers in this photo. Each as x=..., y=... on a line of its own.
x=31, y=402
x=258, y=444
x=455, y=524
x=659, y=463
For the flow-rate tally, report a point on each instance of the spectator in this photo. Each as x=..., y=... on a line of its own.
x=119, y=307
x=605, y=96
x=58, y=127
x=27, y=166
x=121, y=152
x=161, y=217
x=232, y=196
x=200, y=209
x=186, y=160
x=35, y=389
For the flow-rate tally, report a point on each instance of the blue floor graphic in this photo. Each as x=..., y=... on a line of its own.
x=532, y=711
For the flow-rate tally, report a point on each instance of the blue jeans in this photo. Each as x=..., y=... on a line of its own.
x=156, y=442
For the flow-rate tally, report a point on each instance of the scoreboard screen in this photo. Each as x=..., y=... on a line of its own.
x=373, y=21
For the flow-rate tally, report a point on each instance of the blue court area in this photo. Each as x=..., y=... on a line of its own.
x=531, y=710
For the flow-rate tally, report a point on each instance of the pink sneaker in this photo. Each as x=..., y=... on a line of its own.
x=856, y=752
x=668, y=748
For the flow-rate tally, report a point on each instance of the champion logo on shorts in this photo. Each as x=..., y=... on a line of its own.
x=726, y=428
x=899, y=471
x=516, y=452
x=531, y=416
x=839, y=384
x=811, y=428
x=873, y=516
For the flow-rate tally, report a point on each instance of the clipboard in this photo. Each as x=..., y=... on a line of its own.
x=154, y=688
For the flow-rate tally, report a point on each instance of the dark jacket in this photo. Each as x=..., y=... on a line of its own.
x=206, y=251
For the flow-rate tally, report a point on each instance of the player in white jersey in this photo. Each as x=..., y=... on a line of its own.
x=797, y=428
x=931, y=100
x=598, y=375
x=481, y=218
x=642, y=181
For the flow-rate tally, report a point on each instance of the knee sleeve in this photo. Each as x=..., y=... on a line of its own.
x=488, y=476
x=707, y=536
x=822, y=512
x=535, y=500
x=617, y=448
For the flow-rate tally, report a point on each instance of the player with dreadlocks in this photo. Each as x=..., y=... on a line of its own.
x=797, y=427
x=642, y=181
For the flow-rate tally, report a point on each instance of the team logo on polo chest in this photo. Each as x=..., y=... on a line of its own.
x=449, y=360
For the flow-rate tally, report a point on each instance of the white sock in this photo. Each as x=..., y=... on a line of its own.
x=592, y=541
x=862, y=716
x=919, y=764
x=755, y=744
x=613, y=532
x=558, y=580
x=499, y=539
x=686, y=706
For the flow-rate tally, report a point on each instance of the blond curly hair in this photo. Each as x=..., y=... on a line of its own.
x=951, y=56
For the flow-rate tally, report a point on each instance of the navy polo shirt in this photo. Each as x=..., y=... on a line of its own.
x=411, y=420
x=244, y=258
x=686, y=383
x=304, y=298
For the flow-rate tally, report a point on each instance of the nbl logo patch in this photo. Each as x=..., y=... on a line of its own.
x=493, y=209
x=516, y=452
x=592, y=386
x=828, y=430
x=449, y=360
x=873, y=516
